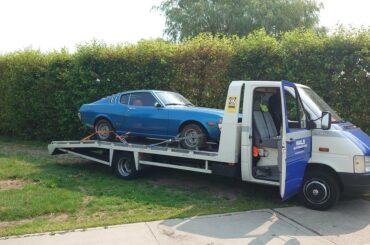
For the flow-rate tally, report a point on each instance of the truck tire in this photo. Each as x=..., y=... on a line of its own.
x=124, y=165
x=320, y=190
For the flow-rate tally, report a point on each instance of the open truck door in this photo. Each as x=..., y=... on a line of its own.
x=296, y=141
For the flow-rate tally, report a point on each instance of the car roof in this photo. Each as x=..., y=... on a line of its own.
x=144, y=90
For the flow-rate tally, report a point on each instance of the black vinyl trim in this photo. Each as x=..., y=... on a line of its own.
x=355, y=184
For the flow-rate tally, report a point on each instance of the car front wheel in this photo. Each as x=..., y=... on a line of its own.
x=193, y=136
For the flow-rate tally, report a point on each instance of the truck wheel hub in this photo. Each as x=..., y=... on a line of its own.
x=316, y=192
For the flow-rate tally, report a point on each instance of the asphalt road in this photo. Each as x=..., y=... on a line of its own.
x=347, y=223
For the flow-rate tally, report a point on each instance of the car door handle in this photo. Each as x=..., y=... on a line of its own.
x=132, y=108
x=290, y=141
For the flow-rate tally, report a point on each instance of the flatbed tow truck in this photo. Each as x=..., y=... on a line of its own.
x=287, y=137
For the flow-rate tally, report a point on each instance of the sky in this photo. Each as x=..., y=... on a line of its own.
x=54, y=24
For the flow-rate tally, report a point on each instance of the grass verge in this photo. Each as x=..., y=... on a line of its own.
x=40, y=193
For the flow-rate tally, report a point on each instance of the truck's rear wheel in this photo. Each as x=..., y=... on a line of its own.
x=124, y=165
x=320, y=190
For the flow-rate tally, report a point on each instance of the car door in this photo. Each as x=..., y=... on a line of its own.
x=144, y=118
x=296, y=144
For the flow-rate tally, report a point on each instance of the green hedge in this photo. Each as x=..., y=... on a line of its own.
x=40, y=94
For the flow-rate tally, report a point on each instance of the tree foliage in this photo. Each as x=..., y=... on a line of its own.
x=40, y=94
x=188, y=18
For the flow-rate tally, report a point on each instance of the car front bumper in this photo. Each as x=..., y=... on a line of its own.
x=355, y=184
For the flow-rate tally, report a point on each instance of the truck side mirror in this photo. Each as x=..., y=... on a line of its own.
x=157, y=105
x=325, y=120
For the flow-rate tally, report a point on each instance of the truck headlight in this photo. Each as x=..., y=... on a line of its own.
x=361, y=164
x=367, y=163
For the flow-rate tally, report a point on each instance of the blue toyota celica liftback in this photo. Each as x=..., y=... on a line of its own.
x=153, y=114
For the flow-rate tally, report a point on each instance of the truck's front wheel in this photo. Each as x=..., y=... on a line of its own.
x=320, y=190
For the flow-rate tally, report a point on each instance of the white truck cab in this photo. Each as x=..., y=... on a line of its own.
x=290, y=137
x=287, y=137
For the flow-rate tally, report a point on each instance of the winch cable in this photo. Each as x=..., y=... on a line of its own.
x=177, y=138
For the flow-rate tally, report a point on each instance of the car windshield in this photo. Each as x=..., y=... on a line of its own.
x=171, y=98
x=317, y=104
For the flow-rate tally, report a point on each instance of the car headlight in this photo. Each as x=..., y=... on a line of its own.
x=361, y=164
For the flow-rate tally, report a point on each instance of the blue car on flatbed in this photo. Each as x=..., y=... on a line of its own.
x=153, y=114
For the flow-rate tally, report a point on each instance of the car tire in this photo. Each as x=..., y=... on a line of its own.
x=124, y=165
x=104, y=125
x=320, y=190
x=194, y=136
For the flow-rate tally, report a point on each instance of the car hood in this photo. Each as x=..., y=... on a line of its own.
x=214, y=111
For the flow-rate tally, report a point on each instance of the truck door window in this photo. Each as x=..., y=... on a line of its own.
x=296, y=116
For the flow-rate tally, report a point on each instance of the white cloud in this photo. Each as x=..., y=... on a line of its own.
x=347, y=12
x=54, y=24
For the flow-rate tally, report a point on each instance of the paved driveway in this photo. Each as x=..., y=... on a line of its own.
x=348, y=223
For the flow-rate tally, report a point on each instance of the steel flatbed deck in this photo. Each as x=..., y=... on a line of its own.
x=103, y=152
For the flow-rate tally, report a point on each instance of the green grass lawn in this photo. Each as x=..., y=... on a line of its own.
x=39, y=193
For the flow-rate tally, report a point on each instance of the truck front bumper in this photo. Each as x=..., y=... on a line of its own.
x=355, y=184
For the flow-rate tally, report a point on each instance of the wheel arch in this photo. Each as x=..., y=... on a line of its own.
x=187, y=122
x=324, y=168
x=100, y=117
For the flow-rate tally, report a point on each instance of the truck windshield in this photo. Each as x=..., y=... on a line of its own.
x=317, y=104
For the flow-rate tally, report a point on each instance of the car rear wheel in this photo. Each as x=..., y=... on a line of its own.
x=194, y=136
x=103, y=129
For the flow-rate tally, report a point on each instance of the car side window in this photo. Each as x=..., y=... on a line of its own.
x=124, y=99
x=112, y=99
x=142, y=99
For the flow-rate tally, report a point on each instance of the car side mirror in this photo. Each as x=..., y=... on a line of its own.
x=325, y=120
x=157, y=105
